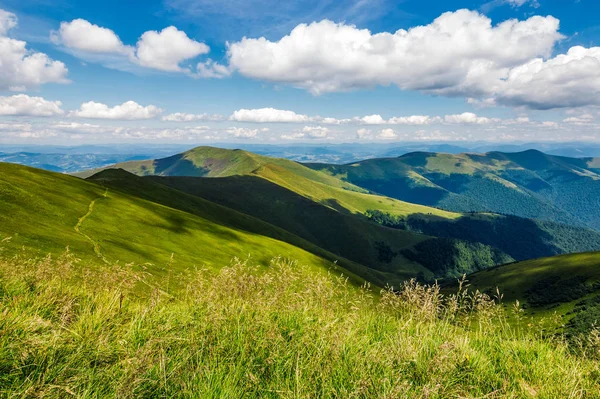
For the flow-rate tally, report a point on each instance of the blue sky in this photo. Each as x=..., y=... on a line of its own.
x=208, y=71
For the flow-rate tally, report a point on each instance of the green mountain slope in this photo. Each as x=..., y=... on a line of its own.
x=354, y=236
x=43, y=212
x=320, y=187
x=528, y=184
x=329, y=212
x=568, y=285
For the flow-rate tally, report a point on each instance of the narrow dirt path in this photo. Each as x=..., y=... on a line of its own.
x=87, y=237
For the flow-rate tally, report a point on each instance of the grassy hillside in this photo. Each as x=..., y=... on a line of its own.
x=283, y=333
x=301, y=222
x=339, y=232
x=328, y=212
x=568, y=285
x=43, y=212
x=529, y=184
x=320, y=187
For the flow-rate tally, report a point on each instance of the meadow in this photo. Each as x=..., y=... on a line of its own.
x=276, y=331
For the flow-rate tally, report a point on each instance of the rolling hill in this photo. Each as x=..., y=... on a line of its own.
x=528, y=184
x=119, y=217
x=44, y=213
x=568, y=285
x=286, y=194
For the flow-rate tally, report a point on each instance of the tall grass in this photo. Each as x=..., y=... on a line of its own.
x=276, y=332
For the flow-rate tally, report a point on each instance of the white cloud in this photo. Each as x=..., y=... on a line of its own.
x=22, y=104
x=164, y=50
x=272, y=115
x=387, y=134
x=8, y=20
x=550, y=124
x=468, y=118
x=458, y=53
x=402, y=120
x=373, y=120
x=268, y=115
x=315, y=132
x=293, y=136
x=211, y=69
x=242, y=132
x=167, y=49
x=20, y=68
x=567, y=80
x=413, y=120
x=80, y=34
x=183, y=117
x=584, y=119
x=363, y=133
x=129, y=110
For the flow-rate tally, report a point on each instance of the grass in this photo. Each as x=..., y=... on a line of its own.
x=43, y=212
x=548, y=277
x=276, y=332
x=318, y=186
x=339, y=232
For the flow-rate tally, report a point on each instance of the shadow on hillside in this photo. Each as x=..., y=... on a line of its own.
x=520, y=238
x=178, y=165
x=338, y=232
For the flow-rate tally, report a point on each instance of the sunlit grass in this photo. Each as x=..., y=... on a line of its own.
x=276, y=331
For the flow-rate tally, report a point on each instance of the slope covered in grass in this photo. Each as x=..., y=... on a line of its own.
x=568, y=285
x=284, y=332
x=529, y=184
x=320, y=187
x=291, y=196
x=339, y=232
x=43, y=212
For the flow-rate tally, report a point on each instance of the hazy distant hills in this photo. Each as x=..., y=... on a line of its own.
x=529, y=184
x=71, y=159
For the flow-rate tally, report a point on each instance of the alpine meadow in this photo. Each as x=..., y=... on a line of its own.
x=302, y=199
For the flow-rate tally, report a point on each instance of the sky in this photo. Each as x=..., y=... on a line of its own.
x=265, y=71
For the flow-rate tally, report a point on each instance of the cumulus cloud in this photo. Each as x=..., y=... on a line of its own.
x=452, y=55
x=567, y=80
x=242, y=132
x=211, y=69
x=129, y=110
x=469, y=118
x=387, y=134
x=20, y=68
x=402, y=120
x=363, y=133
x=183, y=117
x=315, y=132
x=167, y=49
x=164, y=50
x=8, y=20
x=80, y=34
x=459, y=54
x=22, y=104
x=268, y=115
x=272, y=115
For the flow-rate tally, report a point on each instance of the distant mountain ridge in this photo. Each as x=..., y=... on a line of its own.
x=528, y=184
